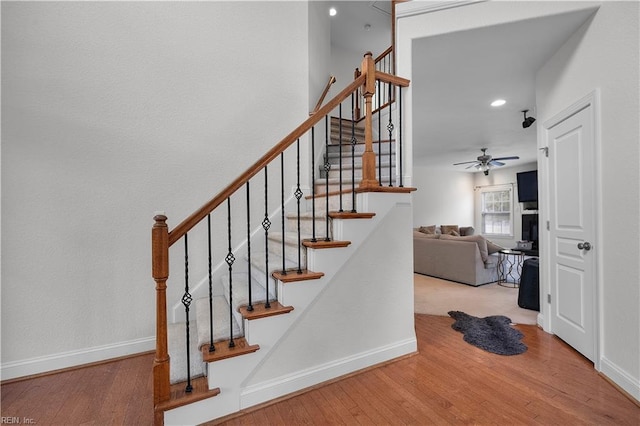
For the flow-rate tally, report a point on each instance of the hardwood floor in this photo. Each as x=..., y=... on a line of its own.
x=448, y=382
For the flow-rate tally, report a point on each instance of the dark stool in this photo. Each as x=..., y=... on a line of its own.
x=529, y=293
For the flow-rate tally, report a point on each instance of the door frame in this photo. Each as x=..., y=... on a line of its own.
x=592, y=99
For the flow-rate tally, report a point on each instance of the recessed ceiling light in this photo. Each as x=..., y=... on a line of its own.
x=498, y=102
x=333, y=11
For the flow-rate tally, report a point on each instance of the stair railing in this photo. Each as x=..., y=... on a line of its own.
x=163, y=238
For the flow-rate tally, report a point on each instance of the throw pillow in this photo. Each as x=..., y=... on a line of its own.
x=431, y=229
x=478, y=239
x=466, y=230
x=446, y=229
x=454, y=233
x=493, y=247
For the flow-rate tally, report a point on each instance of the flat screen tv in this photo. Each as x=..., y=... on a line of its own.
x=527, y=186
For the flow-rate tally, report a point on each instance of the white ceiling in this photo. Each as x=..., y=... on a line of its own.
x=457, y=75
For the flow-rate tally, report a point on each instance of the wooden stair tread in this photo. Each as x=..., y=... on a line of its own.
x=323, y=244
x=293, y=276
x=223, y=351
x=179, y=397
x=350, y=215
x=391, y=189
x=261, y=311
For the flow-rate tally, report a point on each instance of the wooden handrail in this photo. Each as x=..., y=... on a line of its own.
x=332, y=80
x=181, y=229
x=383, y=54
x=393, y=79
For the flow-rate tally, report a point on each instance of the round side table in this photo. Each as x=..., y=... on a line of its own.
x=510, y=268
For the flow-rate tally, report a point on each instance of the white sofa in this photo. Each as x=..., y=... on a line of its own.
x=462, y=259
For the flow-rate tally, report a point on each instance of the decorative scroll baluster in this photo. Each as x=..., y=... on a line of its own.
x=249, y=267
x=298, y=194
x=230, y=258
x=327, y=168
x=266, y=224
x=400, y=131
x=186, y=301
x=212, y=347
x=379, y=93
x=313, y=185
x=390, y=129
x=340, y=155
x=284, y=266
x=353, y=156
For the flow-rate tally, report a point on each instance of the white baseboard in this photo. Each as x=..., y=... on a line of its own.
x=44, y=364
x=271, y=389
x=621, y=378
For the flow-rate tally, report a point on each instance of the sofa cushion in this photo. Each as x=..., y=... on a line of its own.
x=446, y=229
x=466, y=230
x=431, y=229
x=478, y=239
x=418, y=234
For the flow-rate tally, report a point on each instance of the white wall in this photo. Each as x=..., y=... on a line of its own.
x=503, y=176
x=442, y=198
x=112, y=111
x=604, y=55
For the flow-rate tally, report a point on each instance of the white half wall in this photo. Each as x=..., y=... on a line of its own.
x=112, y=111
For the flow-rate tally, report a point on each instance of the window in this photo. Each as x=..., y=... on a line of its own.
x=497, y=211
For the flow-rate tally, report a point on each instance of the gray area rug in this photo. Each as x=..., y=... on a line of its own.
x=493, y=334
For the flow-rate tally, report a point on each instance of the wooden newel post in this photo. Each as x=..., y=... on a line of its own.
x=368, y=157
x=160, y=270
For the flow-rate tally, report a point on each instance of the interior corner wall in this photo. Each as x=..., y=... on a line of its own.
x=604, y=55
x=442, y=198
x=112, y=111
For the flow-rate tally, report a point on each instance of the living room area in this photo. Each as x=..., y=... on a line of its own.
x=472, y=238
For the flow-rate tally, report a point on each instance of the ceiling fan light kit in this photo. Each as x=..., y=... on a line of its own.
x=484, y=162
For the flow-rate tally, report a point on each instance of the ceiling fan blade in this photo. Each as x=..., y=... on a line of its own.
x=473, y=165
x=466, y=162
x=507, y=158
x=496, y=163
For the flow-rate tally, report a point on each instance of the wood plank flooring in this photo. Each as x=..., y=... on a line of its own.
x=448, y=382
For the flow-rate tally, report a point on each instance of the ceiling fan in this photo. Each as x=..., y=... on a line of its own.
x=484, y=162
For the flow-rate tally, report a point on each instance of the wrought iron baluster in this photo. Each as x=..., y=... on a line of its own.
x=284, y=266
x=266, y=224
x=230, y=258
x=340, y=155
x=327, y=168
x=353, y=158
x=313, y=185
x=379, y=156
x=186, y=301
x=390, y=129
x=400, y=131
x=212, y=347
x=249, y=267
x=298, y=194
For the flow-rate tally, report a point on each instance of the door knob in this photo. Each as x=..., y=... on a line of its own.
x=584, y=246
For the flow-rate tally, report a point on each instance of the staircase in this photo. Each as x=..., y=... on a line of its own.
x=279, y=340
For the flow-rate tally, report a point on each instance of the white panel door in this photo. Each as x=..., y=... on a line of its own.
x=572, y=222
